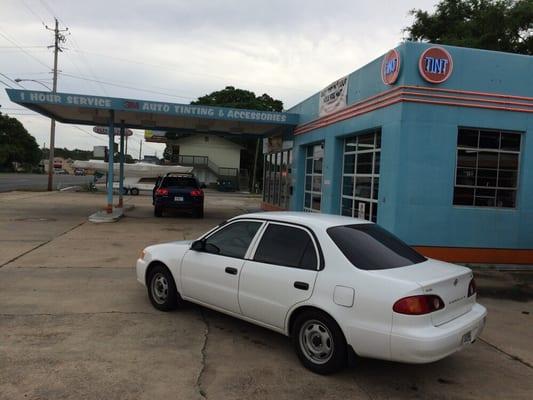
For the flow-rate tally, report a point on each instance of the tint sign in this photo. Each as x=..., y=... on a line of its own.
x=390, y=67
x=435, y=65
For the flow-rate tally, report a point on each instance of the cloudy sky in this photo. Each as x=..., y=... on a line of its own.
x=177, y=50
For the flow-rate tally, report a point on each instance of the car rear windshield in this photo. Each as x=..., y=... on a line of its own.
x=370, y=247
x=179, y=181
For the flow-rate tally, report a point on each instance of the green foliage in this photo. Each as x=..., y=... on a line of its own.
x=75, y=154
x=501, y=25
x=240, y=98
x=16, y=144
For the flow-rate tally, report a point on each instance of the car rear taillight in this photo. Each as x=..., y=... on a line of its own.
x=418, y=305
x=472, y=289
x=197, y=193
x=161, y=192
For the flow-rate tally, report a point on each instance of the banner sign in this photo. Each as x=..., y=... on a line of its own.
x=333, y=97
x=29, y=97
x=104, y=130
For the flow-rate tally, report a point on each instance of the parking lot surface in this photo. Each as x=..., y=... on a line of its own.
x=75, y=324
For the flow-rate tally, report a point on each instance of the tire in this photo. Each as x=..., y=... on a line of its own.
x=162, y=289
x=134, y=191
x=319, y=342
x=125, y=191
x=158, y=211
x=198, y=213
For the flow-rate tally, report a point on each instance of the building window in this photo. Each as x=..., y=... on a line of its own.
x=360, y=176
x=277, y=178
x=314, y=158
x=486, y=173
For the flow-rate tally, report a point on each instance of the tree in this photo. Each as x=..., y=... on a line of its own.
x=16, y=144
x=502, y=25
x=240, y=98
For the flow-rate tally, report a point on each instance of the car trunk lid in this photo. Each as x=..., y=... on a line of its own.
x=449, y=282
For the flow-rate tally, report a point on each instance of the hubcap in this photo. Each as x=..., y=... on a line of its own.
x=159, y=288
x=316, y=342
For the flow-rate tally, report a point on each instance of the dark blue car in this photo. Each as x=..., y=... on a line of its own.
x=179, y=192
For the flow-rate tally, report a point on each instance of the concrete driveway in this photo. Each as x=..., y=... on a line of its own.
x=74, y=323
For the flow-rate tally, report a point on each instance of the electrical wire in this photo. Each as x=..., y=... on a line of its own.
x=124, y=86
x=15, y=82
x=23, y=50
x=33, y=12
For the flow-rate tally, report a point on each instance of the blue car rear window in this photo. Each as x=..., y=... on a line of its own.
x=179, y=182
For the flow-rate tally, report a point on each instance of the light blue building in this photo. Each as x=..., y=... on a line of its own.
x=432, y=142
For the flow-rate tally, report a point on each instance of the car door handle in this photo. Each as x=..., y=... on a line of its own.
x=301, y=285
x=231, y=270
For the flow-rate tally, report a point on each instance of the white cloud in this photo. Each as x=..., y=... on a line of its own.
x=288, y=49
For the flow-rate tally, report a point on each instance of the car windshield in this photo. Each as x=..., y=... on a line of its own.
x=370, y=247
x=181, y=181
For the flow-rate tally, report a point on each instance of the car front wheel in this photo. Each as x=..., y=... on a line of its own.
x=319, y=342
x=162, y=289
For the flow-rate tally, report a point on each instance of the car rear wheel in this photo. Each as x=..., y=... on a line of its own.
x=162, y=289
x=319, y=342
x=158, y=211
x=134, y=191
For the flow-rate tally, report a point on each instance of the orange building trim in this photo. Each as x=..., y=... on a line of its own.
x=478, y=255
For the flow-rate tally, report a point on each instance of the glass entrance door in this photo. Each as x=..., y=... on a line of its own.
x=313, y=177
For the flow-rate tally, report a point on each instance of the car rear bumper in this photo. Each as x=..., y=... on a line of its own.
x=183, y=205
x=428, y=344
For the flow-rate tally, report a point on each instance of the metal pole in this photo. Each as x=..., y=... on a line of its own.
x=53, y=121
x=110, y=165
x=140, y=148
x=121, y=177
x=255, y=165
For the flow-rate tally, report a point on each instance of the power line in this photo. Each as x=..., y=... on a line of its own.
x=33, y=12
x=15, y=82
x=177, y=67
x=6, y=84
x=125, y=86
x=23, y=50
x=24, y=47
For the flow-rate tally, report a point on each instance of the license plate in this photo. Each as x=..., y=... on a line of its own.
x=178, y=198
x=467, y=338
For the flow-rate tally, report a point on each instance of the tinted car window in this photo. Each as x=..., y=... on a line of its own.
x=287, y=246
x=179, y=181
x=370, y=247
x=233, y=240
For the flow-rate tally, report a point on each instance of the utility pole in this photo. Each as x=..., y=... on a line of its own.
x=58, y=38
x=140, y=148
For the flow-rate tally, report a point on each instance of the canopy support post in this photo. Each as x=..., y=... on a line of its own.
x=110, y=159
x=122, y=156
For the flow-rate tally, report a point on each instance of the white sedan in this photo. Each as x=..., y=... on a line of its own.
x=333, y=284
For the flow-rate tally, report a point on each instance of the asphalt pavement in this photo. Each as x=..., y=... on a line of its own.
x=75, y=323
x=20, y=181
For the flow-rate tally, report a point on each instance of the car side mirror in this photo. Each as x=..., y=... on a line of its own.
x=198, y=245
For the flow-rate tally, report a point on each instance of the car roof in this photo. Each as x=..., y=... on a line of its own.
x=312, y=220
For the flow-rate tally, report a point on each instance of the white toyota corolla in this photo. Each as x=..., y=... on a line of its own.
x=332, y=283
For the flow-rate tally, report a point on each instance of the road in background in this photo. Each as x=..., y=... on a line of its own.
x=9, y=182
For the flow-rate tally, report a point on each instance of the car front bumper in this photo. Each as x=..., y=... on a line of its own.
x=432, y=343
x=141, y=271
